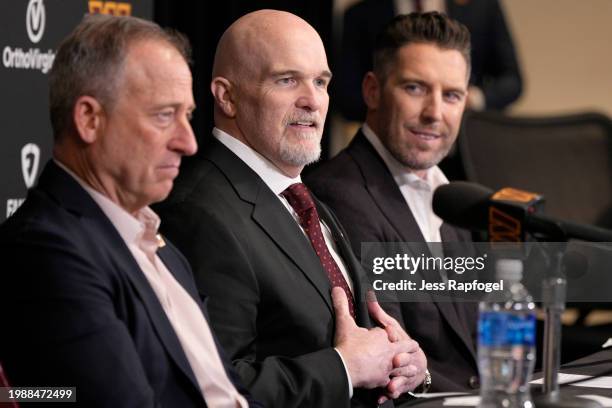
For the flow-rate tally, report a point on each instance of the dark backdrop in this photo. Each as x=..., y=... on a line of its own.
x=35, y=28
x=29, y=30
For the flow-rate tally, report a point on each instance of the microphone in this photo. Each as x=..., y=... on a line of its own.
x=507, y=215
x=478, y=208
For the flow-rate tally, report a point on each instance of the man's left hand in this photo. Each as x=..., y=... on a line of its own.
x=409, y=365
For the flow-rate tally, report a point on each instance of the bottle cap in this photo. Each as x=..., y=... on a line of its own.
x=509, y=269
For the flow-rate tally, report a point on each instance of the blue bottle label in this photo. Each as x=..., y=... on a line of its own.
x=498, y=329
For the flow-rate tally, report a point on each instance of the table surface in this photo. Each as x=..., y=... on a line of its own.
x=598, y=364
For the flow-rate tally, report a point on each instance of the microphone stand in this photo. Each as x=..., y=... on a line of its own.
x=553, y=300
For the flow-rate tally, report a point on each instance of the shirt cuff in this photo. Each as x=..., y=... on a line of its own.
x=348, y=377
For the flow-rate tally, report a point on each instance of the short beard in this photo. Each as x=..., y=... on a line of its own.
x=412, y=160
x=299, y=154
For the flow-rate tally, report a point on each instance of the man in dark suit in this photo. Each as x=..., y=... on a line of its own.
x=266, y=251
x=495, y=80
x=381, y=186
x=95, y=299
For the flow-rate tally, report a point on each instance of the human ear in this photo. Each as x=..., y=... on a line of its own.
x=88, y=117
x=370, y=88
x=221, y=89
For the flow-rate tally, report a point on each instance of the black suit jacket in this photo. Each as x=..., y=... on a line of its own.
x=495, y=68
x=359, y=188
x=78, y=310
x=268, y=296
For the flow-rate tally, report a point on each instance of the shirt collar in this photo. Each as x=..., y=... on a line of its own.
x=265, y=169
x=403, y=176
x=134, y=229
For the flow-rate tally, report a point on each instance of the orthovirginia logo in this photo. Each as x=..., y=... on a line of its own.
x=35, y=20
x=30, y=158
x=34, y=58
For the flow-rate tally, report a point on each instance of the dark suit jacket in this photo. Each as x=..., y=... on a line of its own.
x=78, y=310
x=269, y=297
x=359, y=188
x=495, y=68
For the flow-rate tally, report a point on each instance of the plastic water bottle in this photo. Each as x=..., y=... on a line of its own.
x=506, y=337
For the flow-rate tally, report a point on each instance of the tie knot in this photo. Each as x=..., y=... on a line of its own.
x=299, y=197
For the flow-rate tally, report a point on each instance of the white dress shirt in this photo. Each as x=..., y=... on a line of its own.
x=417, y=192
x=139, y=232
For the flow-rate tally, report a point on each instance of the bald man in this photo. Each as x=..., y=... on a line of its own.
x=266, y=252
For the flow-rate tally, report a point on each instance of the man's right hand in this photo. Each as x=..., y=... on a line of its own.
x=367, y=353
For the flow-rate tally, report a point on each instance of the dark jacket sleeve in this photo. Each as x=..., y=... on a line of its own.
x=60, y=325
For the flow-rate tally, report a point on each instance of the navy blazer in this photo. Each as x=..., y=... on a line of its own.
x=78, y=310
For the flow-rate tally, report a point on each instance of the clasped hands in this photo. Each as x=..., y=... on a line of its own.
x=383, y=356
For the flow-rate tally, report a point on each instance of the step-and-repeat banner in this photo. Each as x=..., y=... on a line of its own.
x=30, y=31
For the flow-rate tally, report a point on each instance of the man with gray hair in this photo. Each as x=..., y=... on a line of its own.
x=100, y=301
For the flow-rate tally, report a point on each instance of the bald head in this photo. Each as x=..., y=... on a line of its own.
x=270, y=79
x=256, y=39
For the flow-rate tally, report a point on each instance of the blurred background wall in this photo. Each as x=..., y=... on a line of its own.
x=565, y=47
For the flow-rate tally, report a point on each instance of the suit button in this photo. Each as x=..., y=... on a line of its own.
x=474, y=382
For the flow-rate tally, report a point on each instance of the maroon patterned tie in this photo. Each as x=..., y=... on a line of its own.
x=301, y=201
x=418, y=6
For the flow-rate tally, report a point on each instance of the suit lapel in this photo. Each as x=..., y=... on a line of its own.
x=72, y=196
x=271, y=216
x=170, y=256
x=386, y=194
x=450, y=234
x=156, y=313
x=384, y=191
x=276, y=221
